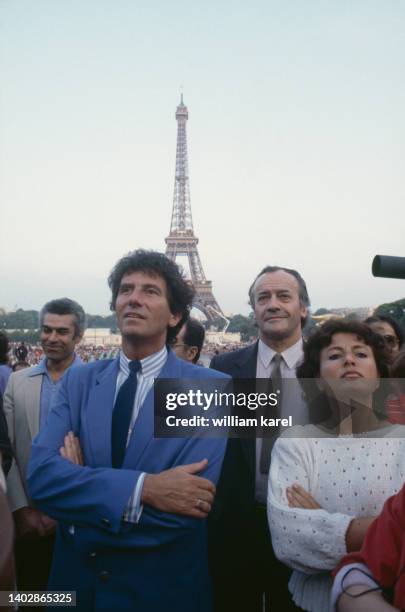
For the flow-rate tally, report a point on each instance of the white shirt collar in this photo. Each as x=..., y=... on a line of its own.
x=291, y=355
x=151, y=365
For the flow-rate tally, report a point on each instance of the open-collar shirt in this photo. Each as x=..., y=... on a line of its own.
x=49, y=387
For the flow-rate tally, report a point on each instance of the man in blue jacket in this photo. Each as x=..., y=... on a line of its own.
x=131, y=508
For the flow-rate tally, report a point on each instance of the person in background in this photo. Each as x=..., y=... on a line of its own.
x=21, y=352
x=27, y=402
x=373, y=579
x=7, y=575
x=395, y=404
x=390, y=330
x=5, y=445
x=20, y=365
x=5, y=369
x=189, y=341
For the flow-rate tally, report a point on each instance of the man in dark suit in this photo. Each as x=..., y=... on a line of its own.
x=131, y=534
x=5, y=445
x=243, y=566
x=7, y=577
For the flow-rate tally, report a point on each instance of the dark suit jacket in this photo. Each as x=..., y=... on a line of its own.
x=7, y=578
x=240, y=455
x=233, y=512
x=5, y=446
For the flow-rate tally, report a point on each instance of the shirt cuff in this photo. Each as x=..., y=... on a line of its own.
x=352, y=573
x=133, y=510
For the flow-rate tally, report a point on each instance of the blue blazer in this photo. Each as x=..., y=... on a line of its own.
x=158, y=563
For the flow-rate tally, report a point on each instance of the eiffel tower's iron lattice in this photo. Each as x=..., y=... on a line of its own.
x=182, y=240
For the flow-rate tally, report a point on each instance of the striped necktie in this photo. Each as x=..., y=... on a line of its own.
x=275, y=384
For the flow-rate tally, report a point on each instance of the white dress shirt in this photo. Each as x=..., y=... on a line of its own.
x=291, y=358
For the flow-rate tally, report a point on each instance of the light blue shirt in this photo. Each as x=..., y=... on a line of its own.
x=49, y=388
x=5, y=372
x=151, y=368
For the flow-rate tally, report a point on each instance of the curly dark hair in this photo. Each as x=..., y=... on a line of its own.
x=322, y=337
x=398, y=369
x=180, y=293
x=309, y=369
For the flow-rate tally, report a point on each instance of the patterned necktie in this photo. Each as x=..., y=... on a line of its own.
x=122, y=414
x=274, y=386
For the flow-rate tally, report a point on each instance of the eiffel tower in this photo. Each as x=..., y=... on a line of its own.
x=181, y=240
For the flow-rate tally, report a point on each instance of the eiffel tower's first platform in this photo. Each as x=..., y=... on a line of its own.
x=182, y=241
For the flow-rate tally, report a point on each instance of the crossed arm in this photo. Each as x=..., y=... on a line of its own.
x=298, y=497
x=355, y=598
x=178, y=490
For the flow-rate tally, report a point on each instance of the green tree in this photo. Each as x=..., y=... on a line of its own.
x=246, y=326
x=321, y=311
x=105, y=322
x=29, y=319
x=218, y=324
x=20, y=319
x=29, y=337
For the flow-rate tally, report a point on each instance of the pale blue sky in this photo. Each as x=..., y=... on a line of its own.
x=296, y=142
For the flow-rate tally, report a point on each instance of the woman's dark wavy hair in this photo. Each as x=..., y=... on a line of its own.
x=180, y=293
x=398, y=369
x=321, y=338
x=398, y=330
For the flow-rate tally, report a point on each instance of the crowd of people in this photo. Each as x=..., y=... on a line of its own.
x=308, y=518
x=18, y=358
x=19, y=353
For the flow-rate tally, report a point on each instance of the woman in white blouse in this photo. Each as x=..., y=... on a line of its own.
x=327, y=482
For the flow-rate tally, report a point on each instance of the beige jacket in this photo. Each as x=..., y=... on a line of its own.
x=21, y=406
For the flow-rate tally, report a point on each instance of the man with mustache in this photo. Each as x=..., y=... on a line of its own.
x=243, y=566
x=27, y=401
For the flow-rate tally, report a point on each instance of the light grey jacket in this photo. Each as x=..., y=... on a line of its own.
x=21, y=406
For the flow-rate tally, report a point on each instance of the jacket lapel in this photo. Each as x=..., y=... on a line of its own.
x=32, y=403
x=245, y=367
x=99, y=414
x=143, y=431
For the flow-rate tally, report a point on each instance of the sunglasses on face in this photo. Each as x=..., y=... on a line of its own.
x=390, y=340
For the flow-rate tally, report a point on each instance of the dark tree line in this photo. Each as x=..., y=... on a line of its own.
x=29, y=319
x=25, y=322
x=394, y=309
